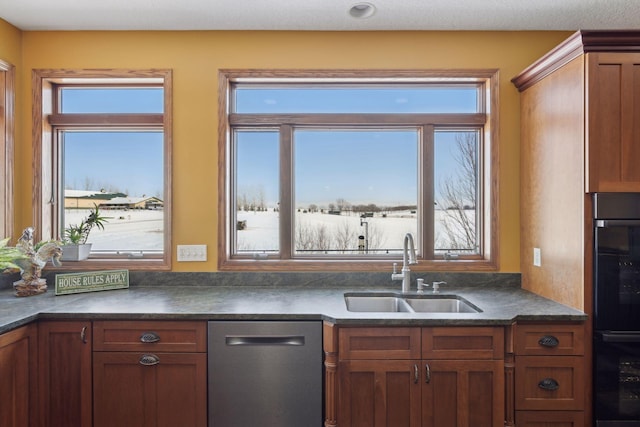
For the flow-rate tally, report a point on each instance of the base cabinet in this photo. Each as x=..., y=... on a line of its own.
x=549, y=419
x=379, y=393
x=154, y=390
x=550, y=375
x=64, y=373
x=150, y=374
x=18, y=351
x=463, y=393
x=432, y=377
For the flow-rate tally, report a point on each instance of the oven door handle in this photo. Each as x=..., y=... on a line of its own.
x=620, y=337
x=604, y=223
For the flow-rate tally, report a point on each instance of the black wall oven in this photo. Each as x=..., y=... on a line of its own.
x=617, y=309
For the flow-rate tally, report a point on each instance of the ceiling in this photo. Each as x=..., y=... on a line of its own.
x=330, y=15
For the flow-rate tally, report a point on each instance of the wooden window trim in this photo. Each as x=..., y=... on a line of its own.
x=7, y=135
x=93, y=120
x=489, y=172
x=44, y=82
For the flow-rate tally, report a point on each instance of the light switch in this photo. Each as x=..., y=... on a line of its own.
x=192, y=252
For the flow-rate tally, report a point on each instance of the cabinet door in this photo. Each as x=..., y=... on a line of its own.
x=550, y=419
x=150, y=390
x=64, y=360
x=613, y=128
x=379, y=393
x=467, y=393
x=17, y=374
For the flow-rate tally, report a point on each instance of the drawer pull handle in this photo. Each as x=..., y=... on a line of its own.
x=149, y=337
x=549, y=384
x=427, y=373
x=149, y=360
x=83, y=335
x=549, y=341
x=416, y=374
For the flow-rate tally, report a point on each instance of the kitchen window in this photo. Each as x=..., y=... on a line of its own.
x=105, y=142
x=332, y=169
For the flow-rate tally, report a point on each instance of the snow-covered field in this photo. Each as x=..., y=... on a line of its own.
x=261, y=233
x=125, y=229
x=383, y=233
x=138, y=230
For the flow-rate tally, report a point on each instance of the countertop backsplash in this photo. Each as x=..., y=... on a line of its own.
x=296, y=279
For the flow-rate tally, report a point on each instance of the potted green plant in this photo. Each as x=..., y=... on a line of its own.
x=74, y=242
x=9, y=255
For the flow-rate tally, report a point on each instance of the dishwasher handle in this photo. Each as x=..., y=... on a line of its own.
x=265, y=340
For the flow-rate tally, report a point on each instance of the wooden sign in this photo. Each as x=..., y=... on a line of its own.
x=74, y=283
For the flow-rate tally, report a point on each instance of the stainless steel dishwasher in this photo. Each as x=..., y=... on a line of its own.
x=265, y=373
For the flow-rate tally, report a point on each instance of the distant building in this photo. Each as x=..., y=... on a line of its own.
x=85, y=199
x=133, y=203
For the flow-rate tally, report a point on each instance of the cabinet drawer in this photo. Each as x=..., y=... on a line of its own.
x=167, y=336
x=549, y=383
x=463, y=343
x=379, y=343
x=550, y=419
x=549, y=339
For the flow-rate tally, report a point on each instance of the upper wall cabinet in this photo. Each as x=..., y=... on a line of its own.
x=604, y=69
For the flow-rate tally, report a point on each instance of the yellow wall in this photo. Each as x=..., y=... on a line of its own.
x=195, y=58
x=10, y=43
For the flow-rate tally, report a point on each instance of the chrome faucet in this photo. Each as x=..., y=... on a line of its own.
x=408, y=257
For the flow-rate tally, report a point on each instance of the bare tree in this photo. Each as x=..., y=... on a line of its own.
x=251, y=198
x=376, y=236
x=458, y=195
x=342, y=204
x=261, y=199
x=309, y=238
x=345, y=237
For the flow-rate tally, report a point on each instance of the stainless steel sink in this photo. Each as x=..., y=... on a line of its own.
x=376, y=303
x=394, y=303
x=446, y=304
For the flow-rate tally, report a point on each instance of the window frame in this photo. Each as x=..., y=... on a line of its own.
x=488, y=118
x=46, y=117
x=7, y=135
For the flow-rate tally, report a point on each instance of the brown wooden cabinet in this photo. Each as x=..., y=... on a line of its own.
x=150, y=374
x=580, y=134
x=463, y=393
x=379, y=393
x=613, y=128
x=464, y=376
x=412, y=376
x=64, y=373
x=549, y=374
x=18, y=373
x=598, y=102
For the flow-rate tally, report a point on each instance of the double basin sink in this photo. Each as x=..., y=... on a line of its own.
x=407, y=303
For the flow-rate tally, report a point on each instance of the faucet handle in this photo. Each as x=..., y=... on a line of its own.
x=395, y=268
x=421, y=285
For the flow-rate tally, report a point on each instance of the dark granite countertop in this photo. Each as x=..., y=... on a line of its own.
x=501, y=304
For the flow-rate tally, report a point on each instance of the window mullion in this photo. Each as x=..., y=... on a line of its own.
x=286, y=191
x=426, y=226
x=137, y=120
x=353, y=119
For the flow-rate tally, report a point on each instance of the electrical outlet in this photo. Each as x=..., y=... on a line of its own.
x=537, y=257
x=192, y=252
